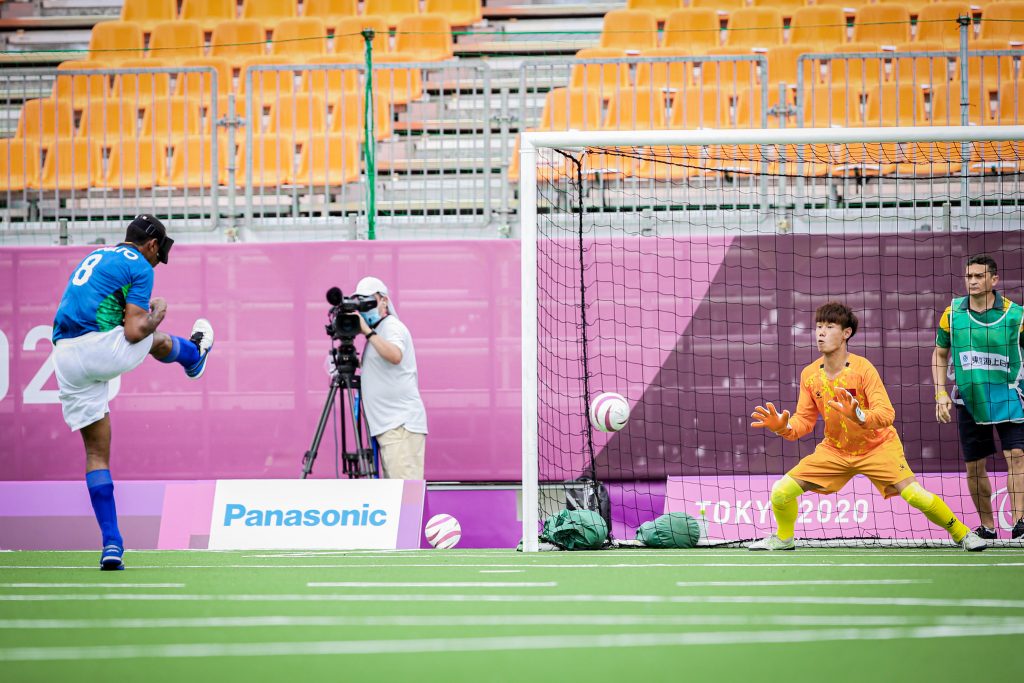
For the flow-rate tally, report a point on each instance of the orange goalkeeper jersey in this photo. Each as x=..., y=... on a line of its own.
x=861, y=379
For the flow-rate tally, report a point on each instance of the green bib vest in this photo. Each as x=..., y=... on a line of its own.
x=987, y=363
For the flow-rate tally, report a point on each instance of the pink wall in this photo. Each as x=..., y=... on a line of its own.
x=254, y=412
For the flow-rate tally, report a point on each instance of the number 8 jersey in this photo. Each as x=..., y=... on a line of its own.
x=99, y=289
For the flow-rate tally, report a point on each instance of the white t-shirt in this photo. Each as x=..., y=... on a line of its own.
x=391, y=394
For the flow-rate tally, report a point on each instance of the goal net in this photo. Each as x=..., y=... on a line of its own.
x=682, y=270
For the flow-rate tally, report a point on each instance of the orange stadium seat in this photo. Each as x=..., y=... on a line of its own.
x=425, y=37
x=238, y=40
x=636, y=109
x=329, y=11
x=1002, y=21
x=116, y=41
x=730, y=75
x=670, y=164
x=192, y=163
x=923, y=159
x=79, y=89
x=821, y=27
x=196, y=84
x=1010, y=111
x=664, y=75
x=937, y=23
x=825, y=107
x=754, y=27
x=925, y=71
x=882, y=25
x=843, y=4
x=331, y=83
x=400, y=85
x=858, y=73
x=298, y=117
x=659, y=8
x=135, y=164
x=947, y=109
x=299, y=38
x=272, y=158
x=604, y=79
x=391, y=10
x=142, y=88
x=45, y=120
x=787, y=7
x=782, y=65
x=749, y=108
x=722, y=6
x=460, y=13
x=171, y=118
x=109, y=120
x=176, y=40
x=628, y=29
x=700, y=108
x=570, y=109
x=19, y=165
x=347, y=116
x=895, y=104
x=269, y=12
x=149, y=13
x=328, y=162
x=267, y=84
x=349, y=43
x=71, y=164
x=989, y=71
x=209, y=13
x=695, y=29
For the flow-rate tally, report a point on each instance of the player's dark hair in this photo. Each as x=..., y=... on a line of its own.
x=983, y=260
x=837, y=313
x=146, y=227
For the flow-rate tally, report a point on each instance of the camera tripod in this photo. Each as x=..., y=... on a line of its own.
x=358, y=464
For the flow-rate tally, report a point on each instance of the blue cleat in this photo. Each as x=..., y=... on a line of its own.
x=112, y=558
x=202, y=337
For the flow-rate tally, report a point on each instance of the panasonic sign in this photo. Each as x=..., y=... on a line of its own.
x=337, y=514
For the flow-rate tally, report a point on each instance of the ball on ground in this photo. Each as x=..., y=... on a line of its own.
x=443, y=531
x=609, y=411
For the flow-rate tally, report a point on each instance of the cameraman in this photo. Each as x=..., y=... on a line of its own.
x=390, y=388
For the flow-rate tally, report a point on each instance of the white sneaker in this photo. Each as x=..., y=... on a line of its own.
x=772, y=542
x=202, y=336
x=972, y=542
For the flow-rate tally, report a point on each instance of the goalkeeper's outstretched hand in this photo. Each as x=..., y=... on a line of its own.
x=847, y=406
x=771, y=418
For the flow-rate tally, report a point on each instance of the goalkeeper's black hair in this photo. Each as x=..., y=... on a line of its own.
x=837, y=313
x=983, y=260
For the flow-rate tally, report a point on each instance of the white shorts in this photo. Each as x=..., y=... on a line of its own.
x=84, y=366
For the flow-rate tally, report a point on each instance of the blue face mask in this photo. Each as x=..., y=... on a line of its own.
x=371, y=317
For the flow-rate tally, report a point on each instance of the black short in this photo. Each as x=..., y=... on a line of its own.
x=977, y=441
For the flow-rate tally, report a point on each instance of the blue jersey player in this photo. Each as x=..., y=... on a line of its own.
x=106, y=325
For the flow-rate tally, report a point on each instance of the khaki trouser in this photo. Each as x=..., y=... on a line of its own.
x=401, y=453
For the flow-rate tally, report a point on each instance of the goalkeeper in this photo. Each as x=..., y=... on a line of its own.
x=859, y=437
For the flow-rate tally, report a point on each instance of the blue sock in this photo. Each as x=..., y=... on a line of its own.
x=183, y=351
x=101, y=492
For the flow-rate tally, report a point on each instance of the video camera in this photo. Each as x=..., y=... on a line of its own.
x=341, y=324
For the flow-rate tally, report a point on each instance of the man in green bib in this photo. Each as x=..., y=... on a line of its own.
x=983, y=333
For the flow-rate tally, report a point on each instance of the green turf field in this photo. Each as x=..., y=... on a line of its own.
x=475, y=615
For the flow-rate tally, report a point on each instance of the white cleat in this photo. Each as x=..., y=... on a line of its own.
x=772, y=542
x=202, y=336
x=972, y=542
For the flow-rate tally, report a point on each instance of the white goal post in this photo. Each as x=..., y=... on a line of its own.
x=577, y=141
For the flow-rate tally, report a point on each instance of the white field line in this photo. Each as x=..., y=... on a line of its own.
x=501, y=571
x=456, y=621
x=92, y=585
x=431, y=584
x=400, y=555
x=493, y=644
x=838, y=582
x=979, y=603
x=765, y=564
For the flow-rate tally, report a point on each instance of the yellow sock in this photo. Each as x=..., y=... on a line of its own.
x=936, y=510
x=784, y=495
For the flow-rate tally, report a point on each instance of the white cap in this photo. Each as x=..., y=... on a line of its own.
x=369, y=286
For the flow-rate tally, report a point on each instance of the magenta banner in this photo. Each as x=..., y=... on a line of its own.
x=735, y=508
x=254, y=412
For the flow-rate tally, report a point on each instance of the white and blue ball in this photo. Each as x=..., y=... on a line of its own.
x=609, y=411
x=443, y=531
